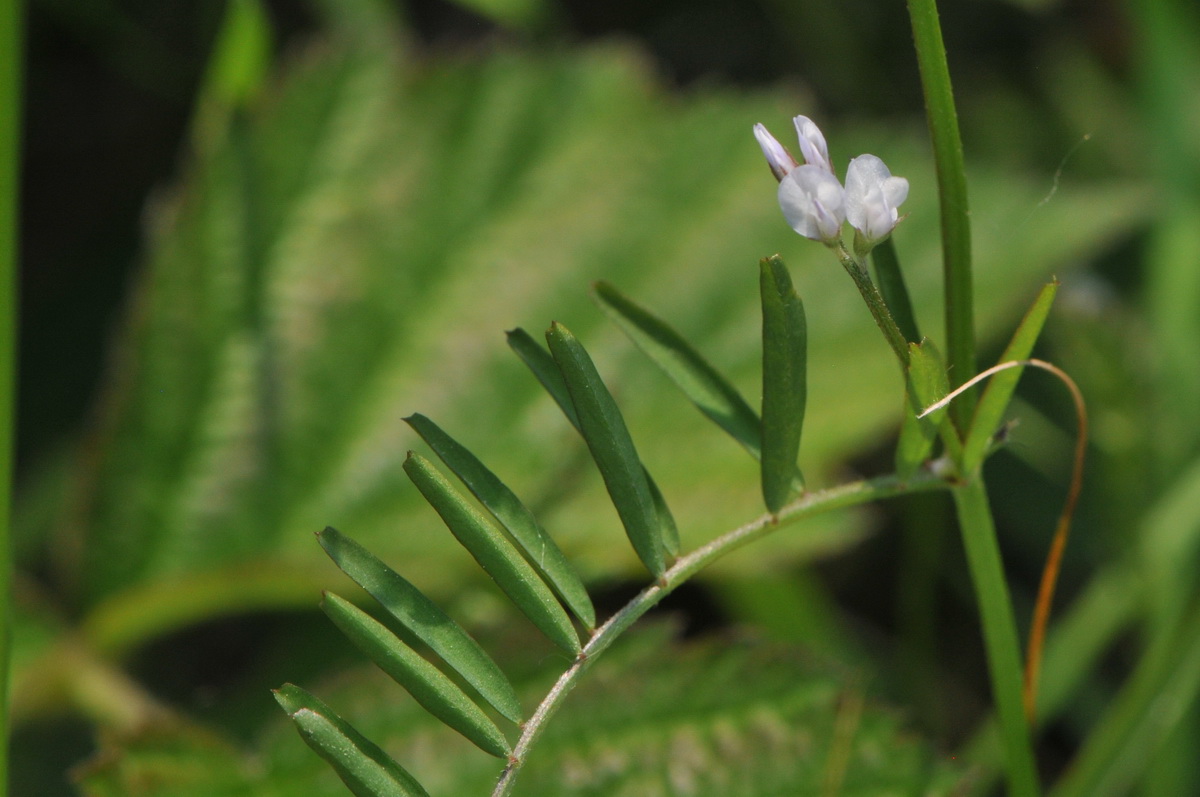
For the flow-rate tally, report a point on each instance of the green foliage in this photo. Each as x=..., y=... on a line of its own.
x=729, y=715
x=494, y=553
x=926, y=383
x=293, y=286
x=538, y=547
x=998, y=394
x=785, y=380
x=434, y=691
x=608, y=439
x=424, y=619
x=362, y=766
x=328, y=264
x=541, y=363
x=711, y=392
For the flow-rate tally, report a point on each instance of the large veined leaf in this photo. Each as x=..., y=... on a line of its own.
x=654, y=717
x=351, y=253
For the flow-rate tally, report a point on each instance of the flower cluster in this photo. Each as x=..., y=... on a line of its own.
x=816, y=204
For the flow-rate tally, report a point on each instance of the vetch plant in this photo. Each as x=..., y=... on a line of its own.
x=936, y=450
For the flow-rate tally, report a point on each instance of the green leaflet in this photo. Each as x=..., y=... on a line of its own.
x=608, y=439
x=542, y=364
x=494, y=553
x=1000, y=387
x=361, y=764
x=539, y=547
x=784, y=335
x=426, y=683
x=711, y=392
x=423, y=617
x=926, y=383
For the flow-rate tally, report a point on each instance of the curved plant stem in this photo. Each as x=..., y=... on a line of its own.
x=10, y=105
x=684, y=568
x=952, y=191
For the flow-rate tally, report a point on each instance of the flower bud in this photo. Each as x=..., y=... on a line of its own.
x=778, y=158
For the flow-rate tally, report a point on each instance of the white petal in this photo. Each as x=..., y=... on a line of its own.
x=895, y=191
x=778, y=158
x=813, y=203
x=812, y=143
x=872, y=197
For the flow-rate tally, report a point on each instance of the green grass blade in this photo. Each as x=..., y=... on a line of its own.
x=711, y=392
x=926, y=383
x=539, y=547
x=1150, y=705
x=440, y=696
x=785, y=391
x=494, y=553
x=612, y=448
x=1000, y=387
x=422, y=616
x=360, y=763
x=542, y=364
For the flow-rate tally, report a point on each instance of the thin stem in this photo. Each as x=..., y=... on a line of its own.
x=952, y=191
x=875, y=302
x=892, y=288
x=685, y=567
x=999, y=633
x=10, y=107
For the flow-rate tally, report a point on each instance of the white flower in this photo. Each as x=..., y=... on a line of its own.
x=778, y=158
x=813, y=202
x=812, y=143
x=872, y=198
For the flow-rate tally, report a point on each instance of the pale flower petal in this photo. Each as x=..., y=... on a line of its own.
x=812, y=143
x=778, y=158
x=873, y=197
x=813, y=203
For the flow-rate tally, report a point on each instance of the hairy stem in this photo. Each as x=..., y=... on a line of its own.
x=879, y=309
x=685, y=567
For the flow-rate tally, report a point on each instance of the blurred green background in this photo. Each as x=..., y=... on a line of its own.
x=255, y=237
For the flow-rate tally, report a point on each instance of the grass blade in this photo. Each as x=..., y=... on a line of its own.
x=440, y=696
x=539, y=547
x=360, y=763
x=542, y=364
x=711, y=392
x=785, y=355
x=1000, y=387
x=927, y=382
x=608, y=439
x=494, y=553
x=425, y=620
